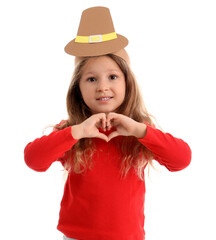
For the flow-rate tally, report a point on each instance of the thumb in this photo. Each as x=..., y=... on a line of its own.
x=112, y=135
x=102, y=136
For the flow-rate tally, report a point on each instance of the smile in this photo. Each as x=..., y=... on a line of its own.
x=104, y=99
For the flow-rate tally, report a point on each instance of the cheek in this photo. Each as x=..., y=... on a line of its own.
x=85, y=93
x=122, y=89
x=82, y=90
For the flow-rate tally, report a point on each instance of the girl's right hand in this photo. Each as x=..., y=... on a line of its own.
x=89, y=128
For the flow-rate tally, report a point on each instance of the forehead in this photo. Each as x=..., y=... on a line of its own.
x=98, y=64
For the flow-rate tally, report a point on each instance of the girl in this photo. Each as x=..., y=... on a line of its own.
x=107, y=141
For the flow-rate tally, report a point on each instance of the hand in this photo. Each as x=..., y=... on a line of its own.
x=89, y=128
x=125, y=126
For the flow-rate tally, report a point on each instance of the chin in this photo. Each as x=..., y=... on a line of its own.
x=103, y=111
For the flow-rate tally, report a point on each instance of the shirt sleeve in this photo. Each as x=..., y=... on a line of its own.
x=42, y=152
x=169, y=151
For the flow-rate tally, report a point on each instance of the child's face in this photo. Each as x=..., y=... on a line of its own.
x=102, y=85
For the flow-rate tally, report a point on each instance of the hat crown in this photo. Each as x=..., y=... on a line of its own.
x=96, y=34
x=95, y=20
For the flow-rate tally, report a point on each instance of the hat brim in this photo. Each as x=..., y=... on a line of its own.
x=96, y=49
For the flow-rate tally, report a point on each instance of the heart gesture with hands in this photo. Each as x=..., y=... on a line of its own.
x=124, y=126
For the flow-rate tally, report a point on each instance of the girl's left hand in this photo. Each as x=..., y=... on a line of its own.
x=125, y=126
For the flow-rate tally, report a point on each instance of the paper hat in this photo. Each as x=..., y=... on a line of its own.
x=96, y=35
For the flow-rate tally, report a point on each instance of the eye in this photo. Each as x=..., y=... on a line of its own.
x=112, y=77
x=91, y=79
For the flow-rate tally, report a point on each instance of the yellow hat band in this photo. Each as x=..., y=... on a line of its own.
x=96, y=38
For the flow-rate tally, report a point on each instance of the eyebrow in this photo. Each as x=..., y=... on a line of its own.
x=108, y=70
x=86, y=73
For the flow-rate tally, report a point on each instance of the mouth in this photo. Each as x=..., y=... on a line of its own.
x=104, y=98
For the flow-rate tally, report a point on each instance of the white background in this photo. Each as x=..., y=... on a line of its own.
x=173, y=54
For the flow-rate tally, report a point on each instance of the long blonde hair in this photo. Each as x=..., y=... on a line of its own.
x=134, y=154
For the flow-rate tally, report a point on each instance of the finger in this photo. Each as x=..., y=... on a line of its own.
x=104, y=124
x=113, y=119
x=108, y=124
x=111, y=116
x=101, y=121
x=113, y=135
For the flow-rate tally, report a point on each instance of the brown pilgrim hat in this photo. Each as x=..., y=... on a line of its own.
x=96, y=35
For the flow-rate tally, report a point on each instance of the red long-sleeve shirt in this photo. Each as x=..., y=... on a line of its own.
x=99, y=204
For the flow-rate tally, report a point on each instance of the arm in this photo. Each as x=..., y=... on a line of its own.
x=169, y=151
x=42, y=152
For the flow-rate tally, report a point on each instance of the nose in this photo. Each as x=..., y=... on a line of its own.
x=102, y=85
